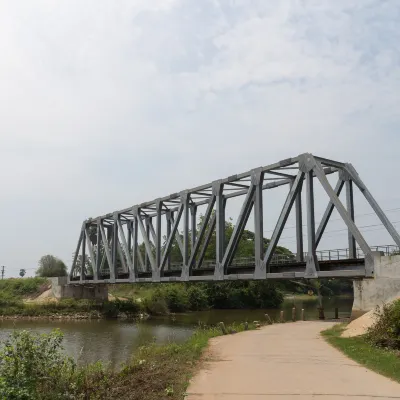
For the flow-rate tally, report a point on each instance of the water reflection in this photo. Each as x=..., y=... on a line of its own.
x=109, y=341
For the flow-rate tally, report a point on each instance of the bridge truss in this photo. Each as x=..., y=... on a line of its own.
x=109, y=248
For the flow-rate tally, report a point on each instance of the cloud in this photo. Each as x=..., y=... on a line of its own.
x=105, y=104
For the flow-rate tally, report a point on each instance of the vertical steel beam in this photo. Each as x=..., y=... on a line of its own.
x=114, y=247
x=193, y=213
x=350, y=210
x=158, y=233
x=257, y=179
x=312, y=265
x=83, y=277
x=299, y=226
x=185, y=266
x=328, y=213
x=129, y=231
x=135, y=249
x=98, y=258
x=169, y=225
x=375, y=206
x=146, y=235
x=291, y=197
x=220, y=229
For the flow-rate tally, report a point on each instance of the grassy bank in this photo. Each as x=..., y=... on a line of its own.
x=128, y=299
x=360, y=349
x=155, y=372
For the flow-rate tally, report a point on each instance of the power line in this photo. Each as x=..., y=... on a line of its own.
x=2, y=271
x=338, y=231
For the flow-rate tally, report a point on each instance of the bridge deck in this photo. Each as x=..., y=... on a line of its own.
x=347, y=268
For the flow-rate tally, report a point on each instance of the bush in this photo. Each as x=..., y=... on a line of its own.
x=33, y=366
x=156, y=305
x=386, y=330
x=176, y=297
x=247, y=294
x=197, y=297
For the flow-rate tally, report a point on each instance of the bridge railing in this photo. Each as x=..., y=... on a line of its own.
x=284, y=259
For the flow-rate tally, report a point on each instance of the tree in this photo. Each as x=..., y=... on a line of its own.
x=22, y=272
x=50, y=266
x=245, y=247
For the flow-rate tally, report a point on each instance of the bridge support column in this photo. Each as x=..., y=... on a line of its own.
x=383, y=288
x=62, y=290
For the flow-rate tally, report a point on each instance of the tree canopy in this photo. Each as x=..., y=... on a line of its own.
x=51, y=266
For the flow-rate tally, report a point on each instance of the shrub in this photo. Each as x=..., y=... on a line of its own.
x=385, y=332
x=156, y=305
x=33, y=366
x=176, y=297
x=197, y=297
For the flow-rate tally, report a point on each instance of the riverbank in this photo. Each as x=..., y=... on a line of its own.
x=154, y=372
x=32, y=297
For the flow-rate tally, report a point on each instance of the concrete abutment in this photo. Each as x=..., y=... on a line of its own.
x=383, y=288
x=62, y=290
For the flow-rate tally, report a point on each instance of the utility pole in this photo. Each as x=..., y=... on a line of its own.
x=2, y=272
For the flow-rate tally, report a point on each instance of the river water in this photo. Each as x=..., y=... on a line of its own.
x=114, y=341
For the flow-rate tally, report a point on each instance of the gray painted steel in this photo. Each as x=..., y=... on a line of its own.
x=125, y=245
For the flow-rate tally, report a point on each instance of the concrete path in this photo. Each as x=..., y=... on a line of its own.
x=285, y=361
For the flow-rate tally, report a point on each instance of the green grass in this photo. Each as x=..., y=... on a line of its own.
x=14, y=289
x=128, y=291
x=162, y=372
x=385, y=362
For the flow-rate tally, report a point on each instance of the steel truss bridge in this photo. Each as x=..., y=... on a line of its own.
x=110, y=247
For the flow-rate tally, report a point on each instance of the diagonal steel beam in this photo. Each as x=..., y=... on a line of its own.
x=91, y=253
x=207, y=239
x=341, y=209
x=177, y=237
x=107, y=252
x=282, y=220
x=78, y=247
x=350, y=210
x=126, y=248
x=375, y=206
x=202, y=231
x=238, y=229
x=328, y=213
x=147, y=244
x=171, y=238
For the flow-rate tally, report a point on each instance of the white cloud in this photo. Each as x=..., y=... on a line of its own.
x=104, y=104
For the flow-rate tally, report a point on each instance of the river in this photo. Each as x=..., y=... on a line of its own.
x=114, y=341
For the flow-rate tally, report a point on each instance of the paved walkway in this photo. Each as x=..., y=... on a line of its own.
x=285, y=361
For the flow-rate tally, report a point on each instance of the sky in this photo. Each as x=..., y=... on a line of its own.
x=107, y=104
